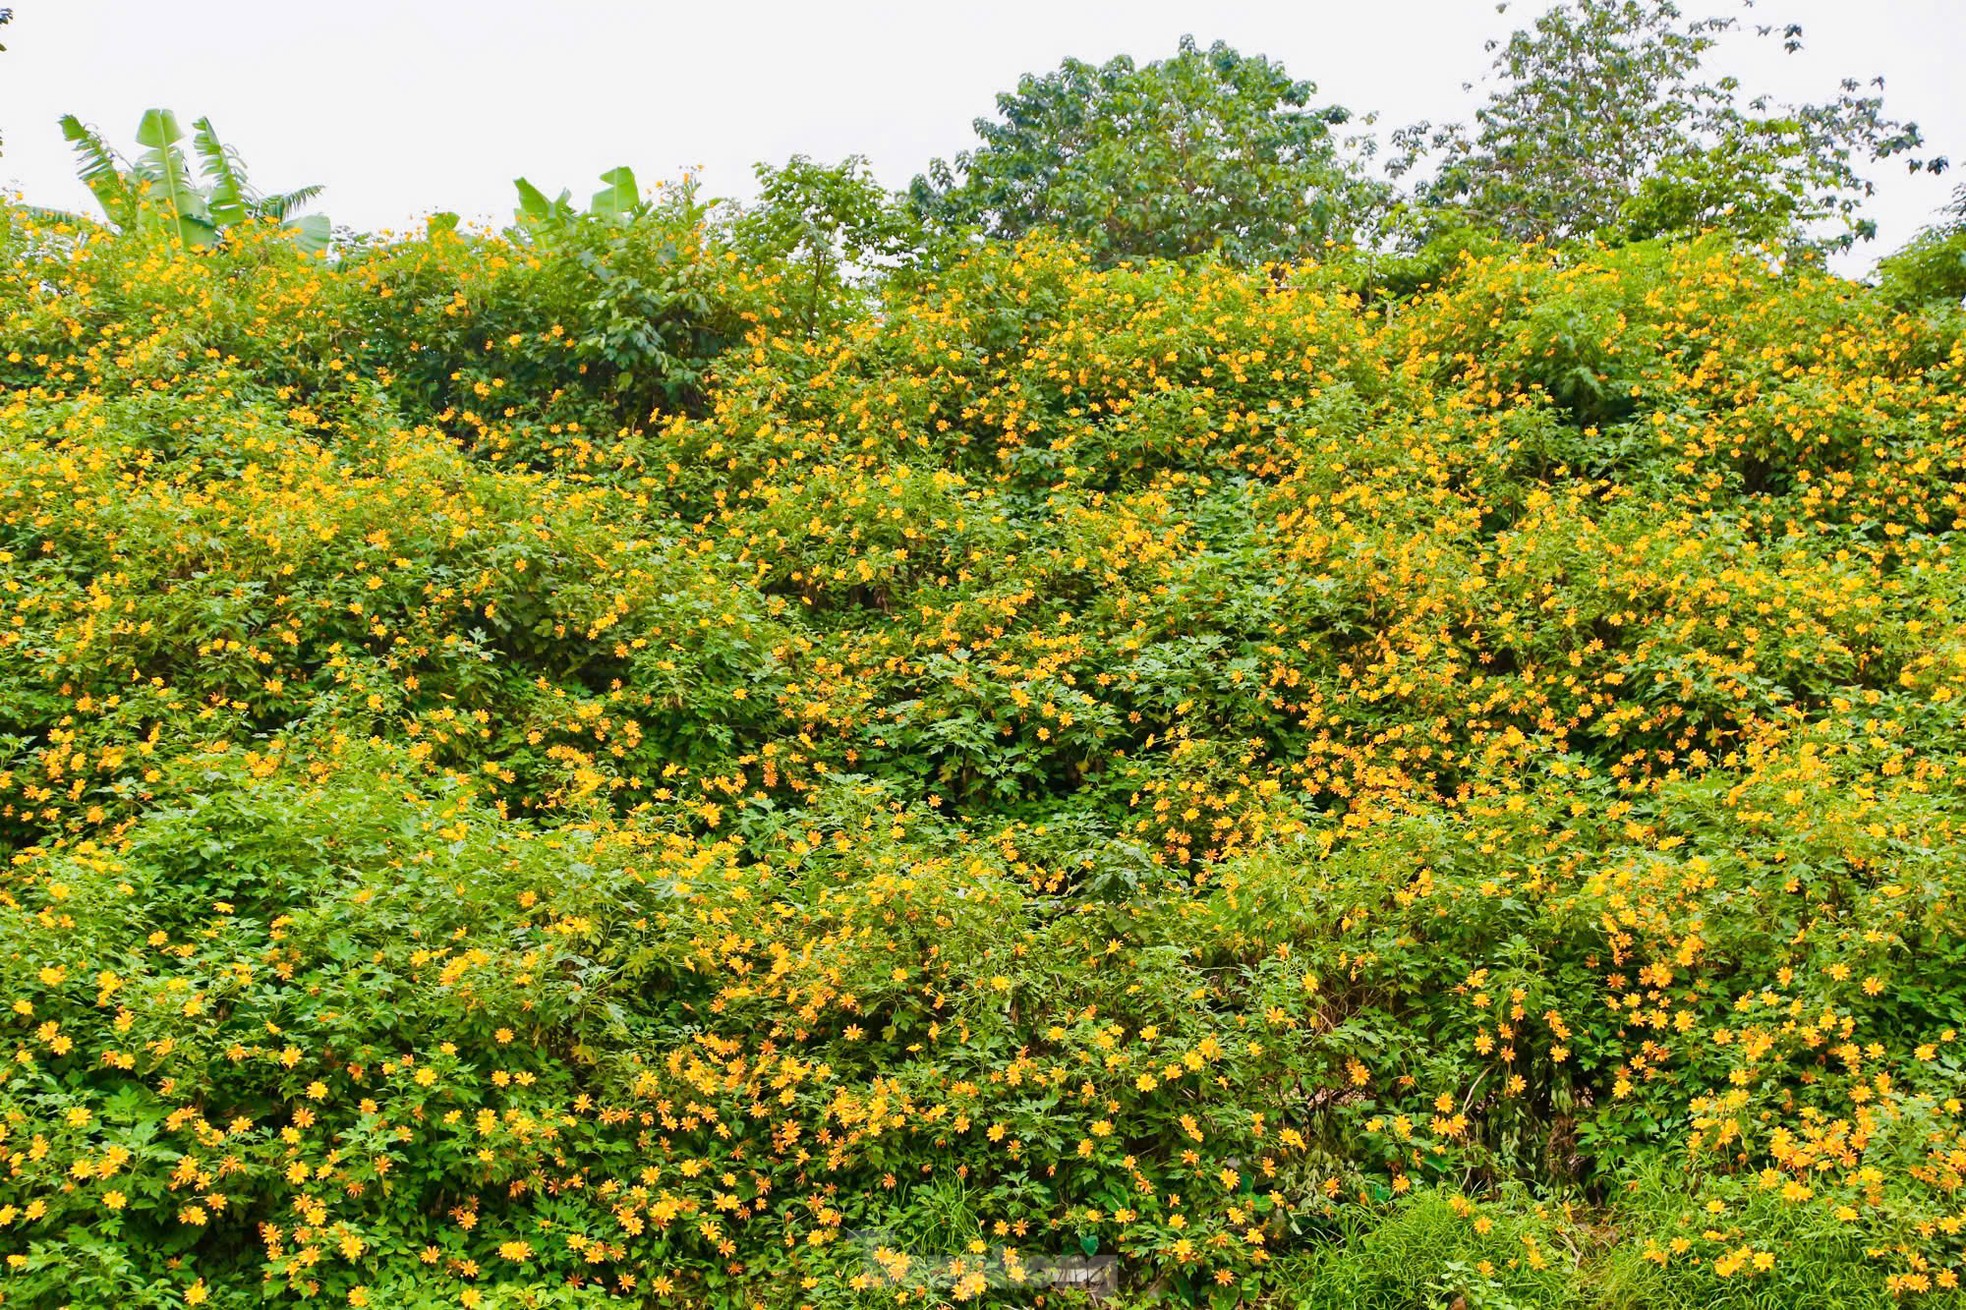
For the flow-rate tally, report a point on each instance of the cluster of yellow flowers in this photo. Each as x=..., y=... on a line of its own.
x=1238, y=773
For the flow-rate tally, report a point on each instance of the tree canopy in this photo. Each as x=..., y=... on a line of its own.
x=1604, y=121
x=1210, y=151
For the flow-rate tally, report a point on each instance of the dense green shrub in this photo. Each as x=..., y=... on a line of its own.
x=1333, y=787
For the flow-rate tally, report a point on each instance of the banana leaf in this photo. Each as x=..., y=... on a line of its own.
x=177, y=204
x=311, y=233
x=101, y=171
x=227, y=198
x=621, y=199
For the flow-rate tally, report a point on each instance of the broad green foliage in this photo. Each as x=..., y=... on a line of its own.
x=1209, y=151
x=571, y=323
x=159, y=194
x=1449, y=798
x=1600, y=124
x=617, y=204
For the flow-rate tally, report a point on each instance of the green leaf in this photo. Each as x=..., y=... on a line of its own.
x=283, y=206
x=101, y=171
x=227, y=196
x=179, y=205
x=159, y=129
x=534, y=207
x=311, y=233
x=621, y=198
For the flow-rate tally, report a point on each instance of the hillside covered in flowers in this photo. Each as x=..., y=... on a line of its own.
x=1352, y=784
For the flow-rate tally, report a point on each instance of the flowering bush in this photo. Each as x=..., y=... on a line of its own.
x=1440, y=800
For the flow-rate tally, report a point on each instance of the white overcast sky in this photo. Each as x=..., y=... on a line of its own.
x=401, y=107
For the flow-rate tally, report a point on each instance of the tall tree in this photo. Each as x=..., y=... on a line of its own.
x=1207, y=151
x=1604, y=121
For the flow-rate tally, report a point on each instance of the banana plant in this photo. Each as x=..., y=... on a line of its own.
x=619, y=202
x=157, y=192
